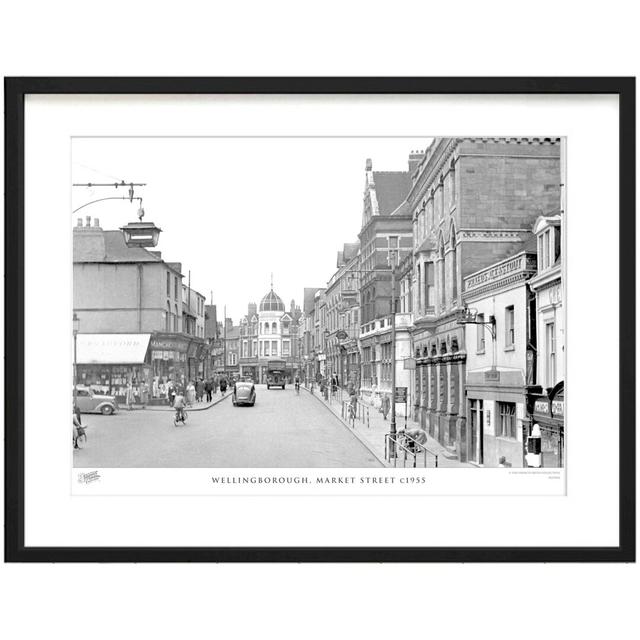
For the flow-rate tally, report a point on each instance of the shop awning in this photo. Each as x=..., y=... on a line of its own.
x=112, y=348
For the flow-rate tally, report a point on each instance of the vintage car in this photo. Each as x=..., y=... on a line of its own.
x=244, y=393
x=90, y=402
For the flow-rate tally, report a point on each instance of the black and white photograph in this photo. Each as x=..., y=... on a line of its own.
x=318, y=302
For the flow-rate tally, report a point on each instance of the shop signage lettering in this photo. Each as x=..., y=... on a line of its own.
x=401, y=394
x=492, y=376
x=557, y=407
x=541, y=406
x=497, y=272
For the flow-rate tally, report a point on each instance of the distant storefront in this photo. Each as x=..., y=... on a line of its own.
x=547, y=411
x=113, y=363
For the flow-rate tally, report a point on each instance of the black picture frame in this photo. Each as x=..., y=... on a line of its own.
x=15, y=91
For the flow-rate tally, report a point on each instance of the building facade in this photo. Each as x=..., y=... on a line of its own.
x=546, y=394
x=385, y=238
x=499, y=345
x=120, y=290
x=473, y=203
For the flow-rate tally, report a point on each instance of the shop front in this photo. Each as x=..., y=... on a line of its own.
x=115, y=364
x=546, y=410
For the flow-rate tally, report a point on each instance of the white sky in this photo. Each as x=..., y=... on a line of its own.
x=233, y=210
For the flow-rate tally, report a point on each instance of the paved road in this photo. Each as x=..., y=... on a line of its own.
x=282, y=430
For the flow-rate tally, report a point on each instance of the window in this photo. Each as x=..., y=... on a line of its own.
x=167, y=324
x=551, y=353
x=266, y=347
x=454, y=267
x=429, y=288
x=274, y=347
x=480, y=344
x=419, y=287
x=509, y=318
x=175, y=287
x=168, y=284
x=254, y=350
x=266, y=327
x=274, y=328
x=245, y=346
x=285, y=347
x=507, y=420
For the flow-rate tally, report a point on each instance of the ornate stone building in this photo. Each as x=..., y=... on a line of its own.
x=473, y=202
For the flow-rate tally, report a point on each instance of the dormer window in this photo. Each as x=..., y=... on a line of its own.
x=549, y=235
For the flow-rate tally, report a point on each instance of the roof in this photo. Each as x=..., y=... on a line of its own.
x=309, y=298
x=350, y=250
x=392, y=188
x=271, y=302
x=96, y=245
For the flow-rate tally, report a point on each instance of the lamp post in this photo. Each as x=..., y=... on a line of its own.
x=76, y=328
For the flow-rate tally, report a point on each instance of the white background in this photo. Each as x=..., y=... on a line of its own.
x=333, y=39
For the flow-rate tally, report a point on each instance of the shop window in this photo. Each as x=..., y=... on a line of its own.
x=509, y=317
x=507, y=420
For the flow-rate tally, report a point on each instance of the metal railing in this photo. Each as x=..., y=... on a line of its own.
x=359, y=413
x=408, y=448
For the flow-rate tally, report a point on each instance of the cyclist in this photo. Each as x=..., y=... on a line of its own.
x=179, y=404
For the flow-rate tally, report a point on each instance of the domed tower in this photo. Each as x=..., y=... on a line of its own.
x=270, y=312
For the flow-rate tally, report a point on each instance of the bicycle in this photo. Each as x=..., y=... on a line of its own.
x=180, y=416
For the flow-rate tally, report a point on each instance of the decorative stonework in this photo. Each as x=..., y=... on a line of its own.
x=492, y=235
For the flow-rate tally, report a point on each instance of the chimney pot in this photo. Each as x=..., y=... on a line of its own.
x=79, y=222
x=88, y=221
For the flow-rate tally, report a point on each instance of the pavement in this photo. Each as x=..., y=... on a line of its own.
x=370, y=428
x=283, y=430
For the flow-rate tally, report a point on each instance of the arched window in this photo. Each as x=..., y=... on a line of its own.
x=266, y=327
x=441, y=283
x=167, y=321
x=454, y=265
x=274, y=327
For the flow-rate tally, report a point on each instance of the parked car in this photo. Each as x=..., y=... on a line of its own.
x=90, y=402
x=244, y=393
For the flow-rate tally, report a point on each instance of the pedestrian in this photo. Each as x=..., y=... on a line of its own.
x=353, y=405
x=386, y=404
x=200, y=389
x=191, y=393
x=171, y=391
x=215, y=384
x=208, y=387
x=415, y=435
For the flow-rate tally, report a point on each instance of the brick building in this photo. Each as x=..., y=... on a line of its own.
x=386, y=227
x=473, y=203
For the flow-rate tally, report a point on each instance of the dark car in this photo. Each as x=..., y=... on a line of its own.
x=244, y=393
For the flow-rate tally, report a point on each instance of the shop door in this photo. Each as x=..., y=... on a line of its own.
x=476, y=413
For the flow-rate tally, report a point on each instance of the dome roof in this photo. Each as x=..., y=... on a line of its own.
x=272, y=302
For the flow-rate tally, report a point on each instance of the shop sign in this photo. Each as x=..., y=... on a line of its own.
x=409, y=363
x=557, y=407
x=541, y=406
x=492, y=376
x=401, y=394
x=169, y=344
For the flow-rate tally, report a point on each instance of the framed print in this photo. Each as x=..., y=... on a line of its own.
x=320, y=319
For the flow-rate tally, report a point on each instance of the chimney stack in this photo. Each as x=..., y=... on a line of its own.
x=79, y=222
x=88, y=221
x=96, y=222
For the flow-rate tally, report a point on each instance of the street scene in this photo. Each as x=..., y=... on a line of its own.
x=409, y=315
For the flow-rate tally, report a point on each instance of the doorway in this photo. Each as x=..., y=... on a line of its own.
x=476, y=413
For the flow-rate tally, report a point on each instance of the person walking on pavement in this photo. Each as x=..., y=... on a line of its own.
x=191, y=393
x=171, y=391
x=208, y=388
x=386, y=405
x=199, y=389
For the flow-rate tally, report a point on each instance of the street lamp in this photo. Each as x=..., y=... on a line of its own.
x=76, y=328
